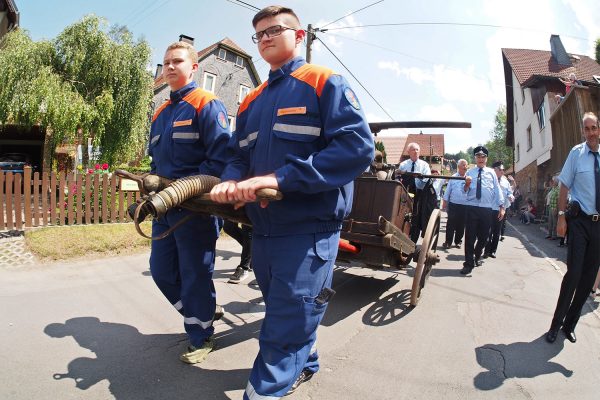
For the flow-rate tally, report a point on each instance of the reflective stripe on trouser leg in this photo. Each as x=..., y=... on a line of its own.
x=182, y=265
x=290, y=271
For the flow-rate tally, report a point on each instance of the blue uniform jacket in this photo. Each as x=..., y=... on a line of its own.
x=306, y=125
x=578, y=176
x=491, y=193
x=189, y=134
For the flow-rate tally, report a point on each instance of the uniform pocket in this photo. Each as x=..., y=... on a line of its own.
x=186, y=147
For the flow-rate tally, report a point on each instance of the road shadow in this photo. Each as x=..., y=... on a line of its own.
x=139, y=366
x=355, y=292
x=389, y=309
x=517, y=360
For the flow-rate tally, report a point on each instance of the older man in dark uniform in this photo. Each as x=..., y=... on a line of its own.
x=482, y=195
x=581, y=177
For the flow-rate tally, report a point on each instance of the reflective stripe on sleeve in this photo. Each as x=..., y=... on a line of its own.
x=252, y=395
x=178, y=306
x=250, y=138
x=154, y=139
x=196, y=321
x=186, y=135
x=299, y=129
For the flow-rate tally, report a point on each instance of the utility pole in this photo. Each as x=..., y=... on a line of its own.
x=310, y=36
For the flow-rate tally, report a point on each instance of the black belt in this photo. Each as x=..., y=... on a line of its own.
x=593, y=217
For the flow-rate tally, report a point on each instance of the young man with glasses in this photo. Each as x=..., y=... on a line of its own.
x=483, y=194
x=580, y=177
x=302, y=132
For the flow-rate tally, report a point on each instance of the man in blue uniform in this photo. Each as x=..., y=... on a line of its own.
x=302, y=132
x=482, y=196
x=189, y=136
x=581, y=177
x=455, y=200
x=415, y=186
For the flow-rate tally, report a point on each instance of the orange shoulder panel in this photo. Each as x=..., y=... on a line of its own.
x=198, y=98
x=250, y=97
x=315, y=75
x=159, y=110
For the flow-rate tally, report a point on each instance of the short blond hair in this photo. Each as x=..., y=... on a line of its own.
x=192, y=53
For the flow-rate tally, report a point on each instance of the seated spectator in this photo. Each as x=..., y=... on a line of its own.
x=569, y=83
x=528, y=212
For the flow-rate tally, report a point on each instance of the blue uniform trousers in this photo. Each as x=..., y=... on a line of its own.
x=290, y=271
x=477, y=228
x=182, y=266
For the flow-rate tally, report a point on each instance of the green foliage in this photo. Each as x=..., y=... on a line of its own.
x=497, y=145
x=468, y=155
x=598, y=51
x=380, y=146
x=88, y=77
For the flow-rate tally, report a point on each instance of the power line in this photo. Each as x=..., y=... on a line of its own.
x=356, y=79
x=146, y=13
x=243, y=4
x=449, y=23
x=353, y=12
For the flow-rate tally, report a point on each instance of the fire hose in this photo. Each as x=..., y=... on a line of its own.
x=161, y=194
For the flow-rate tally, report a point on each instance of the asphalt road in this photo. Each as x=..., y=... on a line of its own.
x=99, y=329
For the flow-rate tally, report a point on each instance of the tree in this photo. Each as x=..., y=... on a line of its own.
x=380, y=146
x=598, y=50
x=497, y=145
x=89, y=78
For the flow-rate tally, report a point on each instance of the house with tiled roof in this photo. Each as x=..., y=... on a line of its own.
x=535, y=125
x=9, y=16
x=224, y=68
x=394, y=146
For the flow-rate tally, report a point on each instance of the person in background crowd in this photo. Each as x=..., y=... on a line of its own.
x=243, y=235
x=302, y=132
x=580, y=176
x=496, y=223
x=552, y=209
x=529, y=212
x=455, y=200
x=437, y=186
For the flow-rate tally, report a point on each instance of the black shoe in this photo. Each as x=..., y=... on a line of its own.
x=551, y=335
x=466, y=270
x=502, y=238
x=478, y=262
x=446, y=245
x=493, y=255
x=485, y=255
x=219, y=312
x=304, y=376
x=570, y=334
x=457, y=245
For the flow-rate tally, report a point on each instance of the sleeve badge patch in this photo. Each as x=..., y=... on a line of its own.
x=222, y=120
x=351, y=97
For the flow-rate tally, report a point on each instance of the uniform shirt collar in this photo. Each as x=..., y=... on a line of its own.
x=286, y=68
x=181, y=93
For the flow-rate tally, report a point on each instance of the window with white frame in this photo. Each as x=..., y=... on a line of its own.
x=231, y=123
x=222, y=54
x=541, y=114
x=517, y=153
x=209, y=82
x=244, y=90
x=529, y=138
x=239, y=61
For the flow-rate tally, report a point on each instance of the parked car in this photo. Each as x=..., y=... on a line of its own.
x=14, y=162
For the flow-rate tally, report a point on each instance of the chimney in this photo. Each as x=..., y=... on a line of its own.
x=158, y=71
x=187, y=39
x=559, y=53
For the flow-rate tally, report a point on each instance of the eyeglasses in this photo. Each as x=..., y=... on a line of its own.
x=590, y=128
x=271, y=32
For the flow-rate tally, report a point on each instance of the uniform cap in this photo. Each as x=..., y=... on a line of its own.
x=480, y=150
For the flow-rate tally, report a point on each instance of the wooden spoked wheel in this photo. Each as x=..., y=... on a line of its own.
x=427, y=257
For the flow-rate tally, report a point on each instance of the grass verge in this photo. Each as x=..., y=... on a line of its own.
x=67, y=242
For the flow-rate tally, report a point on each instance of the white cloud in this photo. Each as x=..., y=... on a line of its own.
x=452, y=84
x=586, y=12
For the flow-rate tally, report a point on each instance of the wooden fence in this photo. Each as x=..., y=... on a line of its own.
x=32, y=200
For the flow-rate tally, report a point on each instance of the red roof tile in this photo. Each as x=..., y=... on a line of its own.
x=424, y=140
x=529, y=64
x=393, y=147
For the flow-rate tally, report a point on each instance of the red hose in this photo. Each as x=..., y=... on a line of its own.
x=345, y=245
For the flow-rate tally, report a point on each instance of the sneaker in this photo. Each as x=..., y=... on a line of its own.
x=194, y=354
x=219, y=312
x=305, y=376
x=239, y=275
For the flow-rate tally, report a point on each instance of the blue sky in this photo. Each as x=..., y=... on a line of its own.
x=414, y=71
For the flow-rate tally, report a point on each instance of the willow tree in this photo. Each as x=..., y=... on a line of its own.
x=90, y=78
